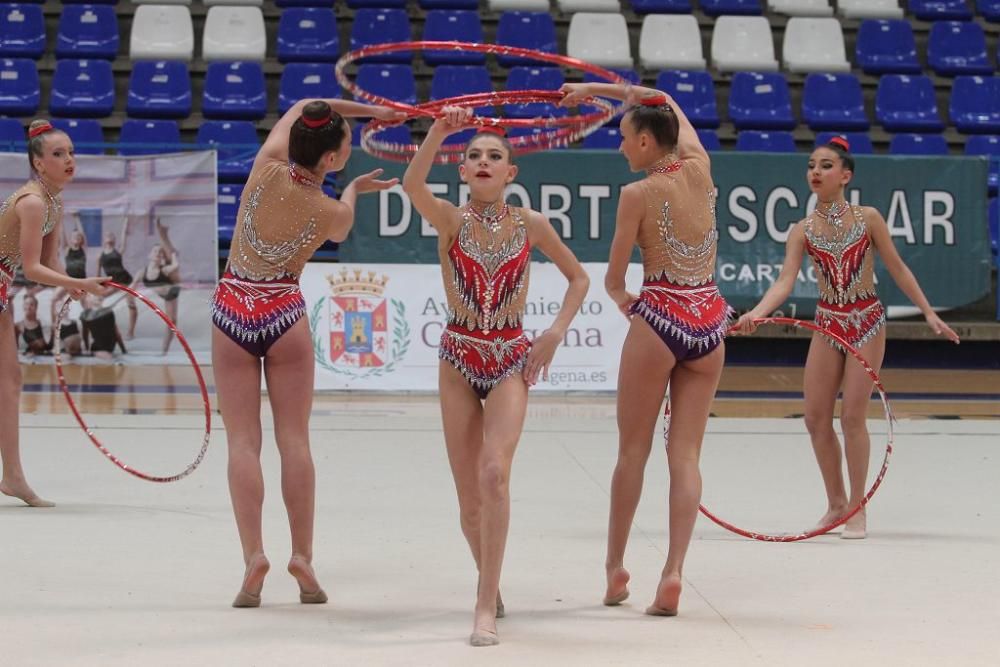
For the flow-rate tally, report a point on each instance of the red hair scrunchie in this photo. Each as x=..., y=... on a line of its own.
x=841, y=142
x=40, y=129
x=313, y=123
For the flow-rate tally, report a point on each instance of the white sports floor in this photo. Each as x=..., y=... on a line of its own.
x=126, y=572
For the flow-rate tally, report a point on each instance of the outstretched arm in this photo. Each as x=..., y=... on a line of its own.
x=440, y=213
x=688, y=144
x=901, y=273
x=782, y=287
x=40, y=258
x=544, y=346
x=276, y=146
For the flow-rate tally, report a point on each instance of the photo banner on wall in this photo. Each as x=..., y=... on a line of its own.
x=377, y=326
x=935, y=209
x=150, y=221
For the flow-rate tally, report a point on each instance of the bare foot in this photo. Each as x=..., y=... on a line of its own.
x=856, y=527
x=617, y=586
x=833, y=514
x=24, y=493
x=253, y=581
x=310, y=592
x=668, y=595
x=484, y=629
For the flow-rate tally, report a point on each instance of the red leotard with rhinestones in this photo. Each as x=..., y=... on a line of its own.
x=843, y=255
x=486, y=283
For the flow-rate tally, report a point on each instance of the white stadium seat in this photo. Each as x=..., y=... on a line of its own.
x=162, y=32
x=743, y=43
x=234, y=33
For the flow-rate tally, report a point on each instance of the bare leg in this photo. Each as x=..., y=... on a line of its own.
x=289, y=369
x=857, y=445
x=503, y=421
x=237, y=383
x=13, y=482
x=821, y=383
x=693, y=389
x=170, y=308
x=133, y=315
x=645, y=369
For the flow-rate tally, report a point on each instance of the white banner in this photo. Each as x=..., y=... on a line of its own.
x=145, y=211
x=377, y=326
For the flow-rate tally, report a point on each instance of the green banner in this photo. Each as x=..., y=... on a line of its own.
x=935, y=208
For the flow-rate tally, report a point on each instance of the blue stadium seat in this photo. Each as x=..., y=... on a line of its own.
x=13, y=136
x=237, y=144
x=527, y=30
x=722, y=7
x=694, y=92
x=82, y=88
x=760, y=101
x=940, y=10
x=303, y=3
x=993, y=225
x=450, y=4
x=451, y=80
x=306, y=80
x=988, y=145
x=907, y=104
x=85, y=133
x=86, y=2
x=376, y=4
x=861, y=142
x=629, y=75
x=22, y=31
x=958, y=47
x=886, y=45
x=308, y=34
x=768, y=142
x=159, y=89
x=606, y=137
x=918, y=144
x=228, y=202
x=534, y=78
x=381, y=26
x=20, y=90
x=399, y=134
x=442, y=25
x=149, y=137
x=989, y=9
x=975, y=104
x=833, y=102
x=87, y=31
x=710, y=140
x=394, y=82
x=661, y=6
x=234, y=90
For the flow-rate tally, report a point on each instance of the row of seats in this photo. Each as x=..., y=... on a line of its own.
x=757, y=100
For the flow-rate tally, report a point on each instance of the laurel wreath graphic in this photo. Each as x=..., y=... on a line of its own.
x=400, y=342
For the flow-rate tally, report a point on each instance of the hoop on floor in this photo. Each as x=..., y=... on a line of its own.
x=559, y=130
x=819, y=530
x=90, y=434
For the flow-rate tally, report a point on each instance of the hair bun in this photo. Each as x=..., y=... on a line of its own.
x=840, y=142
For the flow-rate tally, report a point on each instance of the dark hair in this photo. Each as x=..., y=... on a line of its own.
x=660, y=121
x=319, y=129
x=491, y=132
x=842, y=148
x=37, y=131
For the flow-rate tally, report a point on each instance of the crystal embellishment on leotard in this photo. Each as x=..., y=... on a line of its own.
x=277, y=253
x=53, y=208
x=842, y=255
x=834, y=214
x=487, y=290
x=666, y=165
x=687, y=261
x=299, y=175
